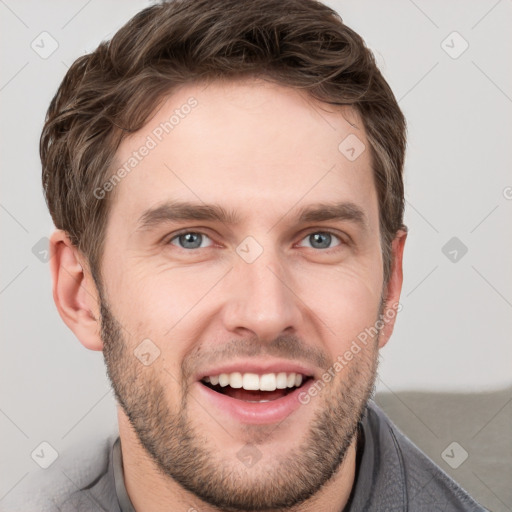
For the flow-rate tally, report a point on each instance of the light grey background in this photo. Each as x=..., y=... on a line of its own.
x=453, y=334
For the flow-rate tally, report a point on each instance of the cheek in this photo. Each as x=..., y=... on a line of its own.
x=170, y=299
x=156, y=297
x=165, y=305
x=345, y=299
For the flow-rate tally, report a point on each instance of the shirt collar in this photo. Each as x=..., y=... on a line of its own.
x=380, y=480
x=122, y=496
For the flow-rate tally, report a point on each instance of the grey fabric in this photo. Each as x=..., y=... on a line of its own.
x=392, y=475
x=122, y=496
x=480, y=423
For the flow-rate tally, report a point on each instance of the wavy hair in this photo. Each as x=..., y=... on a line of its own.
x=110, y=93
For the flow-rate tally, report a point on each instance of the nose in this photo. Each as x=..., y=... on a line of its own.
x=261, y=298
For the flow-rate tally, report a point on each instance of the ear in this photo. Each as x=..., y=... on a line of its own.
x=74, y=291
x=393, y=288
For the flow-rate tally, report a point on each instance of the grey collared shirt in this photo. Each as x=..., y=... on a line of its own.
x=392, y=474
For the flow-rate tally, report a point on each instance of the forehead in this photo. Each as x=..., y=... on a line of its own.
x=250, y=146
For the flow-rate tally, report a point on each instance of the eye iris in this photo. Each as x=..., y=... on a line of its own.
x=188, y=238
x=193, y=240
x=319, y=237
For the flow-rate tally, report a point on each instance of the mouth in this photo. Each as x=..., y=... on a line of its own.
x=255, y=388
x=254, y=398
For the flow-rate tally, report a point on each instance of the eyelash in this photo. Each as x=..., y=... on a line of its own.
x=323, y=231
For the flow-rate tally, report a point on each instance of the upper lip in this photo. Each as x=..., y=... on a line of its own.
x=259, y=366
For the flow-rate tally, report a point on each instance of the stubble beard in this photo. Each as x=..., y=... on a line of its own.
x=184, y=453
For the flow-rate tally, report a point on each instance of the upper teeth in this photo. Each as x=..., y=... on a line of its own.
x=254, y=382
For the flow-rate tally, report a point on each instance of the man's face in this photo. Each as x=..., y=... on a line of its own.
x=270, y=294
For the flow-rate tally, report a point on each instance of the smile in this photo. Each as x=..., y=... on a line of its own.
x=255, y=398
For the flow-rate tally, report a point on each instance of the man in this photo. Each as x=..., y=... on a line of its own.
x=226, y=183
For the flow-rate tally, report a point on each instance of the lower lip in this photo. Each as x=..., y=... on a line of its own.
x=256, y=413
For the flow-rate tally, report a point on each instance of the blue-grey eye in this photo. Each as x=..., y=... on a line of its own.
x=321, y=239
x=189, y=240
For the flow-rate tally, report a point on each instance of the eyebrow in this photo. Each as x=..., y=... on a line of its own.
x=188, y=211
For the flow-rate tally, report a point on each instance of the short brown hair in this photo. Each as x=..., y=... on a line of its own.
x=111, y=92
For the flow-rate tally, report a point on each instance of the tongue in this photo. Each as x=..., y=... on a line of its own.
x=256, y=396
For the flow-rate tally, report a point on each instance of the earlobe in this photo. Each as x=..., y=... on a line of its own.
x=74, y=291
x=393, y=288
